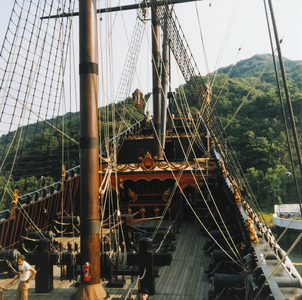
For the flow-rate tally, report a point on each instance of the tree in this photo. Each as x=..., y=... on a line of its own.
x=268, y=187
x=6, y=192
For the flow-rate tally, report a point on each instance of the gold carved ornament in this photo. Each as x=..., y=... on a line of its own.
x=138, y=97
x=166, y=194
x=132, y=195
x=252, y=231
x=63, y=172
x=237, y=192
x=148, y=163
x=16, y=197
x=14, y=203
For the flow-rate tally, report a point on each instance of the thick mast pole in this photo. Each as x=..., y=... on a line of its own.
x=156, y=91
x=165, y=79
x=90, y=288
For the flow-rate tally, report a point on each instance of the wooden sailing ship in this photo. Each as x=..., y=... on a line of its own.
x=167, y=170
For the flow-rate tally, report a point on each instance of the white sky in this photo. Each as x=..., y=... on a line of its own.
x=226, y=26
x=248, y=28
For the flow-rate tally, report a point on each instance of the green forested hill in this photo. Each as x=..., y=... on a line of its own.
x=33, y=156
x=256, y=133
x=253, y=66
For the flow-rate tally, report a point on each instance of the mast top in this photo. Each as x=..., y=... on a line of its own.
x=141, y=5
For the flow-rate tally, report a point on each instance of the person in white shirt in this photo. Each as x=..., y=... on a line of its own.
x=26, y=273
x=143, y=293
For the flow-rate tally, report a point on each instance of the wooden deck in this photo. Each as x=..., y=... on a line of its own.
x=184, y=278
x=63, y=290
x=181, y=280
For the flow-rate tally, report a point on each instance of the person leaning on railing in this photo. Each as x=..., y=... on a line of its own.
x=26, y=273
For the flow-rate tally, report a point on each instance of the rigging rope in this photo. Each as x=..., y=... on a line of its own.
x=202, y=41
x=40, y=43
x=287, y=95
x=173, y=191
x=282, y=108
x=279, y=263
x=226, y=36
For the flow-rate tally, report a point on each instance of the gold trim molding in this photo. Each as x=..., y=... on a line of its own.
x=150, y=164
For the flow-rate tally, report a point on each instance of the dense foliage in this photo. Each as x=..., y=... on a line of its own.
x=256, y=134
x=33, y=156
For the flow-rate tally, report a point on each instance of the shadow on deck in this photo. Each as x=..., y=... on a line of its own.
x=181, y=280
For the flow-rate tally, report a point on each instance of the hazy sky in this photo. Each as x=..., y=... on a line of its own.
x=225, y=26
x=247, y=19
x=248, y=29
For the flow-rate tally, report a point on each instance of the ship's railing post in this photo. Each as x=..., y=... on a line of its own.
x=146, y=266
x=44, y=267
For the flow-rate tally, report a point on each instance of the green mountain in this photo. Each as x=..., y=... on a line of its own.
x=253, y=67
x=248, y=105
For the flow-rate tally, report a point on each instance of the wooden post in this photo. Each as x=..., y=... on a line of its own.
x=90, y=287
x=146, y=267
x=164, y=80
x=44, y=280
x=156, y=91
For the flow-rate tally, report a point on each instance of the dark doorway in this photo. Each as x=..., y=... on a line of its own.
x=188, y=203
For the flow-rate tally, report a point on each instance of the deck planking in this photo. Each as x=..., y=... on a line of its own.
x=183, y=279
x=63, y=290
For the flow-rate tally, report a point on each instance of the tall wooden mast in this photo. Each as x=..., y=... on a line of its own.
x=164, y=80
x=156, y=91
x=90, y=287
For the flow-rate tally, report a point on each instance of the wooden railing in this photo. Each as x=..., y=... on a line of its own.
x=39, y=209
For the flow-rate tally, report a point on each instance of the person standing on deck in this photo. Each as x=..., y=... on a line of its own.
x=143, y=293
x=26, y=273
